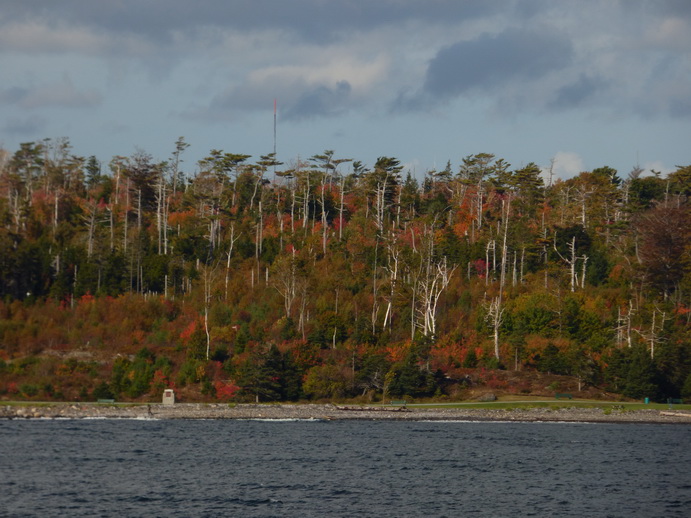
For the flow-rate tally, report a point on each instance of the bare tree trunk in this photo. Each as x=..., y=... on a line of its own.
x=279, y=218
x=55, y=213
x=229, y=254
x=495, y=315
x=392, y=267
x=139, y=211
x=126, y=219
x=571, y=262
x=91, y=225
x=166, y=210
x=325, y=227
x=160, y=209
x=292, y=212
x=375, y=288
x=522, y=263
x=496, y=309
x=491, y=245
x=433, y=279
x=209, y=273
x=340, y=211
x=583, y=268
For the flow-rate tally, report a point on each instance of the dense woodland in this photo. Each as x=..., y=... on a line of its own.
x=241, y=278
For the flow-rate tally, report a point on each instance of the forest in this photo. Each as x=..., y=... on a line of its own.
x=242, y=278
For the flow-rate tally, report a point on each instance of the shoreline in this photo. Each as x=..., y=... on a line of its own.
x=329, y=412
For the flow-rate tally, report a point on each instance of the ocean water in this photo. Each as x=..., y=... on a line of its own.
x=208, y=468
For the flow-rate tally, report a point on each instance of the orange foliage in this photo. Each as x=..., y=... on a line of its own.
x=682, y=310
x=397, y=352
x=270, y=226
x=225, y=390
x=87, y=299
x=286, y=220
x=160, y=379
x=462, y=228
x=339, y=223
x=188, y=331
x=180, y=218
x=304, y=354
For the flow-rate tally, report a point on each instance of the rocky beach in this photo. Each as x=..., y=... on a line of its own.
x=334, y=412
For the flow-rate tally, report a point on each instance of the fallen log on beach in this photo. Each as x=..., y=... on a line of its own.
x=675, y=414
x=372, y=409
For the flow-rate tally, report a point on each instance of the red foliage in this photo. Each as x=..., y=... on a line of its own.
x=397, y=352
x=188, y=331
x=480, y=267
x=225, y=390
x=270, y=225
x=180, y=218
x=87, y=298
x=160, y=379
x=305, y=354
x=338, y=223
x=461, y=228
x=351, y=203
x=682, y=310
x=494, y=382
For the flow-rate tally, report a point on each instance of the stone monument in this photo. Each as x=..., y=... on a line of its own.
x=168, y=397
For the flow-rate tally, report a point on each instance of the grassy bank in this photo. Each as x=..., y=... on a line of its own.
x=519, y=405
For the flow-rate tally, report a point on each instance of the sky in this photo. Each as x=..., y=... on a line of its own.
x=580, y=84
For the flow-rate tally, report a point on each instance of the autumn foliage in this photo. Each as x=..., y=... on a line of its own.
x=327, y=278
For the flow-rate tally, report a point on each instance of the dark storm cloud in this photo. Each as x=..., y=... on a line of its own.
x=312, y=20
x=321, y=101
x=298, y=102
x=578, y=92
x=490, y=62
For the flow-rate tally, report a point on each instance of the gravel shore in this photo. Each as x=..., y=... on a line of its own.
x=332, y=412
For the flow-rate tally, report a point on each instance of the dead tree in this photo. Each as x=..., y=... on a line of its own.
x=572, y=261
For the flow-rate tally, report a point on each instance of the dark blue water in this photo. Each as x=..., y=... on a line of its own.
x=342, y=468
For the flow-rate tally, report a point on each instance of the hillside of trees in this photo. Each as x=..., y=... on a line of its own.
x=245, y=279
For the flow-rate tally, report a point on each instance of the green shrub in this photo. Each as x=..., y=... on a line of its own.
x=686, y=389
x=28, y=389
x=102, y=391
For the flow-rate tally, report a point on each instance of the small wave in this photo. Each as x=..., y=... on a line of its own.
x=284, y=419
x=490, y=421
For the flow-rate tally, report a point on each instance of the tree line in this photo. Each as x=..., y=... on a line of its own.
x=329, y=278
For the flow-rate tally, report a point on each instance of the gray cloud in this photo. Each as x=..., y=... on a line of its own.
x=312, y=20
x=578, y=92
x=680, y=108
x=13, y=95
x=680, y=8
x=231, y=103
x=609, y=55
x=59, y=94
x=321, y=101
x=299, y=101
x=489, y=62
x=28, y=126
